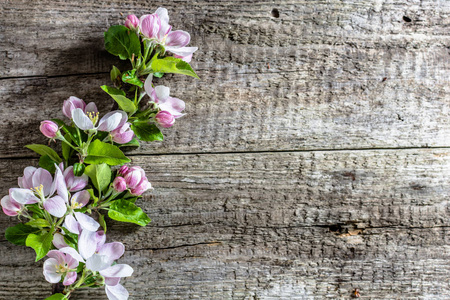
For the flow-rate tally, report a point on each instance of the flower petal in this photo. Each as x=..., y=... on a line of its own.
x=98, y=262
x=164, y=18
x=119, y=270
x=9, y=206
x=50, y=271
x=112, y=280
x=72, y=252
x=81, y=198
x=56, y=254
x=86, y=222
x=162, y=93
x=150, y=26
x=23, y=196
x=178, y=38
x=112, y=120
x=116, y=292
x=71, y=224
x=56, y=206
x=59, y=185
x=87, y=243
x=70, y=278
x=148, y=85
x=91, y=108
x=81, y=120
x=58, y=241
x=42, y=176
x=112, y=250
x=184, y=51
x=27, y=179
x=174, y=106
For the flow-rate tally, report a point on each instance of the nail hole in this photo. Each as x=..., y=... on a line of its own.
x=406, y=19
x=275, y=13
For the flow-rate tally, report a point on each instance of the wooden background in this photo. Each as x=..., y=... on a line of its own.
x=314, y=158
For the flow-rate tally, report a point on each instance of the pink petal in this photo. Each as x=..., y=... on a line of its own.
x=50, y=271
x=174, y=106
x=71, y=224
x=148, y=85
x=87, y=243
x=100, y=238
x=27, y=179
x=73, y=253
x=112, y=250
x=59, y=185
x=184, y=58
x=56, y=206
x=150, y=26
x=116, y=292
x=42, y=176
x=79, y=183
x=86, y=222
x=23, y=196
x=81, y=198
x=70, y=278
x=58, y=241
x=56, y=254
x=9, y=206
x=112, y=280
x=112, y=120
x=178, y=38
x=119, y=270
x=164, y=18
x=91, y=108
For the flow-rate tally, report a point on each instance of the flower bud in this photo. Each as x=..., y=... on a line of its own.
x=165, y=119
x=119, y=184
x=49, y=129
x=143, y=186
x=123, y=170
x=123, y=134
x=134, y=176
x=132, y=22
x=71, y=104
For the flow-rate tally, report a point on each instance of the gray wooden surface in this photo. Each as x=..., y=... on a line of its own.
x=314, y=158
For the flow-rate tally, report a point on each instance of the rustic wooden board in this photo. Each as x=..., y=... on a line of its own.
x=279, y=225
x=256, y=196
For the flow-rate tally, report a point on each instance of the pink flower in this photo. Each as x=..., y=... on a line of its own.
x=136, y=181
x=58, y=265
x=165, y=119
x=87, y=120
x=123, y=170
x=122, y=134
x=160, y=95
x=142, y=187
x=132, y=22
x=49, y=129
x=37, y=185
x=74, y=183
x=72, y=103
x=156, y=28
x=119, y=184
x=10, y=206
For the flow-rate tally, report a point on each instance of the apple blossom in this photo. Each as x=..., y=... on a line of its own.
x=49, y=129
x=71, y=104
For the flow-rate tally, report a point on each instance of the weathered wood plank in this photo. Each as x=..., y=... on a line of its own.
x=279, y=226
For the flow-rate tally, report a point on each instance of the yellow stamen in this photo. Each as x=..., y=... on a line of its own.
x=93, y=117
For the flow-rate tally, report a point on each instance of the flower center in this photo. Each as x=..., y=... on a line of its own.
x=75, y=205
x=39, y=190
x=93, y=117
x=60, y=269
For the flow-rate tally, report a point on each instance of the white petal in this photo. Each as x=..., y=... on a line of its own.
x=58, y=241
x=55, y=206
x=162, y=92
x=23, y=196
x=148, y=85
x=72, y=252
x=86, y=222
x=42, y=176
x=97, y=262
x=116, y=292
x=71, y=224
x=110, y=123
x=87, y=243
x=183, y=51
x=81, y=120
x=50, y=271
x=119, y=270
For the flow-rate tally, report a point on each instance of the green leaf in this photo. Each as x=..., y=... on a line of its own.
x=147, y=132
x=72, y=134
x=122, y=42
x=171, y=64
x=131, y=78
x=101, y=220
x=78, y=169
x=71, y=241
x=38, y=223
x=158, y=74
x=100, y=152
x=37, y=211
x=19, y=233
x=47, y=163
x=115, y=74
x=40, y=243
x=93, y=197
x=125, y=211
x=44, y=150
x=119, y=96
x=100, y=175
x=58, y=296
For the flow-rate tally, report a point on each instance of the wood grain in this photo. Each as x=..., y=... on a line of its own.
x=298, y=172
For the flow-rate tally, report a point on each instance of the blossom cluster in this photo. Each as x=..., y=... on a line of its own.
x=63, y=202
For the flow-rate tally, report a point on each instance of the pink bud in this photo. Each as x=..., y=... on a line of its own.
x=71, y=104
x=49, y=129
x=134, y=176
x=123, y=134
x=132, y=22
x=165, y=119
x=143, y=186
x=119, y=184
x=123, y=170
